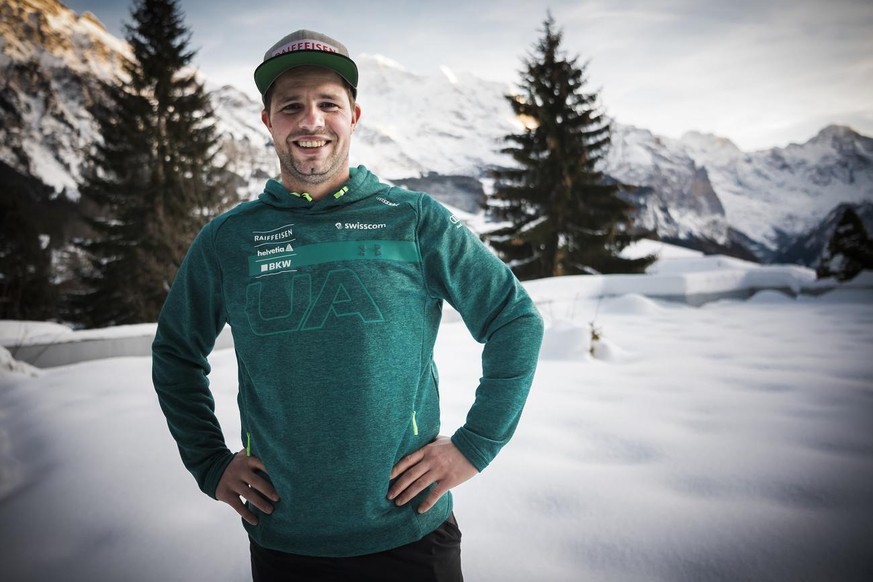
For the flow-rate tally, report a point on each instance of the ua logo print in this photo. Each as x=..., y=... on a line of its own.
x=285, y=304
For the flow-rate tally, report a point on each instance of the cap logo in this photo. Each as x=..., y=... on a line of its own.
x=305, y=45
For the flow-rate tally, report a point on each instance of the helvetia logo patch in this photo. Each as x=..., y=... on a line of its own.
x=275, y=250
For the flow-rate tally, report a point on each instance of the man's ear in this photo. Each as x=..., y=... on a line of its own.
x=265, y=117
x=356, y=116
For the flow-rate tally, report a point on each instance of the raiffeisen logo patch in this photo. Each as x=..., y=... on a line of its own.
x=359, y=226
x=280, y=234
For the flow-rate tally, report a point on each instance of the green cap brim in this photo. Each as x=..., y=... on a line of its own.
x=268, y=71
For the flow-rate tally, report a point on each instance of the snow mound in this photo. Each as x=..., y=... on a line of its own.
x=8, y=365
x=630, y=304
x=607, y=351
x=565, y=340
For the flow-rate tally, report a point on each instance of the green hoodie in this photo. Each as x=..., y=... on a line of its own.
x=334, y=307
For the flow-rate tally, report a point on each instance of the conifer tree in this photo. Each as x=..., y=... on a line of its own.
x=562, y=216
x=26, y=291
x=153, y=182
x=849, y=251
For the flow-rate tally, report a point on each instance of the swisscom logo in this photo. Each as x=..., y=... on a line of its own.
x=359, y=226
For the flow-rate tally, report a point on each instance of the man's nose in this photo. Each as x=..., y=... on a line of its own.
x=312, y=118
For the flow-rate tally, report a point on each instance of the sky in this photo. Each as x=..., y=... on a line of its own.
x=729, y=441
x=762, y=73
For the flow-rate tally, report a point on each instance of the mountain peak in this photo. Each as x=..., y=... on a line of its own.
x=35, y=29
x=91, y=18
x=839, y=140
x=698, y=139
x=835, y=134
x=381, y=61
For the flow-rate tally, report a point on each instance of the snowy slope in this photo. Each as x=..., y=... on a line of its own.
x=726, y=442
x=53, y=61
x=247, y=146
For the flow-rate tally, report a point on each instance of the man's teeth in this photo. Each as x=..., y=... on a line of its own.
x=311, y=144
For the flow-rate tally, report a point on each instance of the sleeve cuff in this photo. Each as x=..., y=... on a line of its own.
x=478, y=450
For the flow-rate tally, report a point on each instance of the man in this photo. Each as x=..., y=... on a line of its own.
x=333, y=285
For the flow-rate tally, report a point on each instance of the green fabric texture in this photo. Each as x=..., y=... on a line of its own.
x=334, y=306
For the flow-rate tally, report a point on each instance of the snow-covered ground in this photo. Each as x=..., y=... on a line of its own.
x=730, y=441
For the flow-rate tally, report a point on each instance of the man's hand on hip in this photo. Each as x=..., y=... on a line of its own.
x=439, y=462
x=241, y=480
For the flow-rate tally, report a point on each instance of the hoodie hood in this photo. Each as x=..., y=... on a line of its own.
x=362, y=184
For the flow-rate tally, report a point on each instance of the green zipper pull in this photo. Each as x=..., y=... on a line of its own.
x=248, y=444
x=414, y=424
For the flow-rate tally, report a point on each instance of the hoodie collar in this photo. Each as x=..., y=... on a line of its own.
x=362, y=183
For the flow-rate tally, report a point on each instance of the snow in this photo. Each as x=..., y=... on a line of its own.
x=729, y=441
x=17, y=333
x=449, y=123
x=450, y=75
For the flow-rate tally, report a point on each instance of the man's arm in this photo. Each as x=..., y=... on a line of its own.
x=499, y=313
x=190, y=321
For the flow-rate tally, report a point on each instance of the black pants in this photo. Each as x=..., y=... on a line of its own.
x=434, y=558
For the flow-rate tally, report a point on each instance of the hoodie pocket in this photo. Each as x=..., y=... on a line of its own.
x=425, y=408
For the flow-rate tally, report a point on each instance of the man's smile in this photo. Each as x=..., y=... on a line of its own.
x=309, y=143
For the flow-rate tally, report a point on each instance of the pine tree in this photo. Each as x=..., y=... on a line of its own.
x=26, y=291
x=154, y=181
x=849, y=251
x=564, y=216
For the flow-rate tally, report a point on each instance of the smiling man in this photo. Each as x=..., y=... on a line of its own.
x=333, y=284
x=311, y=116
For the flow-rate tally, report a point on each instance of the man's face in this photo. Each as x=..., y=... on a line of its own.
x=311, y=120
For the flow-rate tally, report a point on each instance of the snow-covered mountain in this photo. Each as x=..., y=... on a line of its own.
x=704, y=186
x=52, y=63
x=439, y=132
x=413, y=125
x=676, y=197
x=775, y=195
